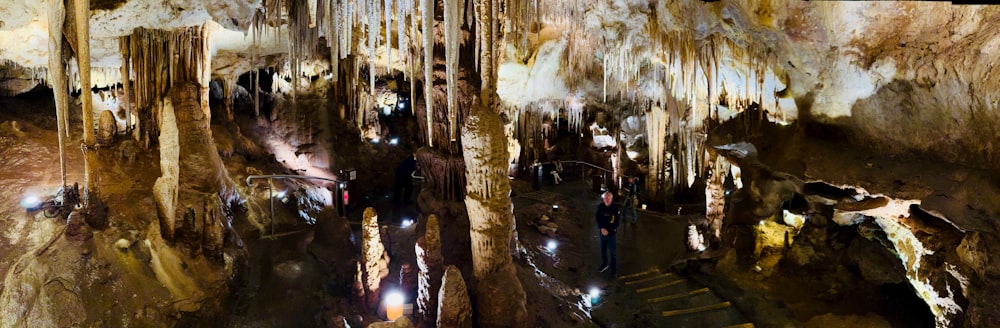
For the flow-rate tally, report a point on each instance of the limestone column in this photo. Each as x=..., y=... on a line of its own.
x=455, y=310
x=371, y=252
x=430, y=262
x=81, y=10
x=57, y=76
x=499, y=295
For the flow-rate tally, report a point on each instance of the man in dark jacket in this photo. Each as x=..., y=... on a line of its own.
x=608, y=217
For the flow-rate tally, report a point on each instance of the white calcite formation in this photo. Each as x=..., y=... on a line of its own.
x=454, y=309
x=431, y=265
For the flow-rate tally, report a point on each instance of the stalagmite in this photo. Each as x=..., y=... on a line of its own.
x=430, y=262
x=165, y=189
x=427, y=10
x=455, y=309
x=502, y=302
x=57, y=78
x=451, y=42
x=107, y=127
x=715, y=192
x=228, y=85
x=371, y=251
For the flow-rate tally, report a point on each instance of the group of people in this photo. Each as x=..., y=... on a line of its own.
x=609, y=217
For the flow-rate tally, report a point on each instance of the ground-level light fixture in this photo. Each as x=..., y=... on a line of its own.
x=394, y=141
x=30, y=201
x=595, y=294
x=551, y=245
x=394, y=305
x=407, y=223
x=555, y=208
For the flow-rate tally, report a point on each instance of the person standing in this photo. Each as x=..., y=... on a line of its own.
x=404, y=181
x=631, y=198
x=608, y=217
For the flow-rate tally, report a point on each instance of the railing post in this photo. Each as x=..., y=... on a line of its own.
x=270, y=197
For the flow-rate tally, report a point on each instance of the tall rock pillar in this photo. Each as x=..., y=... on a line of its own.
x=499, y=295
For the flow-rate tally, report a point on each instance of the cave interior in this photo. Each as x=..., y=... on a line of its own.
x=425, y=163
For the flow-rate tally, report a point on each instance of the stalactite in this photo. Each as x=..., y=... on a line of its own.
x=57, y=78
x=373, y=31
x=485, y=36
x=656, y=128
x=126, y=70
x=156, y=69
x=451, y=41
x=256, y=28
x=412, y=53
x=427, y=10
x=388, y=35
x=402, y=11
x=477, y=47
x=333, y=37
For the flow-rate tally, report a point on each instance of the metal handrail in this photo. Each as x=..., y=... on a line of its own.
x=580, y=162
x=270, y=187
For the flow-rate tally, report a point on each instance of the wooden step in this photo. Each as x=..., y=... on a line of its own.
x=663, y=285
x=742, y=325
x=639, y=274
x=670, y=313
x=660, y=276
x=676, y=296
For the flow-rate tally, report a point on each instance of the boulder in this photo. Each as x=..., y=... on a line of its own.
x=107, y=128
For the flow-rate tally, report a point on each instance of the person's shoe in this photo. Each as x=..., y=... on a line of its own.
x=603, y=268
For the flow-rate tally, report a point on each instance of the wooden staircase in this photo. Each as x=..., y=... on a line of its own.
x=682, y=302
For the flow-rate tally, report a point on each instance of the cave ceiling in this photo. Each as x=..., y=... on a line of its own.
x=885, y=69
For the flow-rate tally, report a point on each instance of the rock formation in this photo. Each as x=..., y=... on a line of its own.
x=499, y=295
x=431, y=265
x=372, y=252
x=454, y=309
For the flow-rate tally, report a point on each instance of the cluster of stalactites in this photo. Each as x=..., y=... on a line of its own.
x=159, y=59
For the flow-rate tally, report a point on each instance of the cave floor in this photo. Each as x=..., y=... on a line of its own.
x=645, y=287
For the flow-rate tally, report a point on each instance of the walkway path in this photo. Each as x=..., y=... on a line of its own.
x=647, y=293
